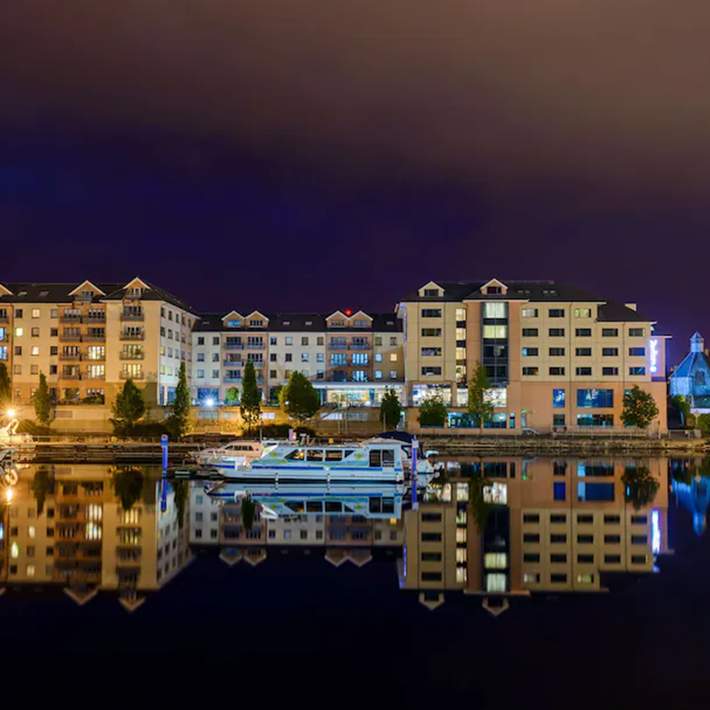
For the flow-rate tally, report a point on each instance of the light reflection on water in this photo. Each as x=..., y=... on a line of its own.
x=499, y=528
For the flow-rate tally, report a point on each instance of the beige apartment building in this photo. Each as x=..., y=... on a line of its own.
x=557, y=358
x=88, y=338
x=351, y=358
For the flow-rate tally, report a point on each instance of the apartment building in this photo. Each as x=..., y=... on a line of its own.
x=556, y=357
x=349, y=357
x=88, y=338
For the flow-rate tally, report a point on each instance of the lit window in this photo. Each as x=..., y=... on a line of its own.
x=495, y=582
x=19, y=332
x=495, y=560
x=35, y=312
x=35, y=350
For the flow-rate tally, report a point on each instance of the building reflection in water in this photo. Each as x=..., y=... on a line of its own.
x=85, y=529
x=495, y=528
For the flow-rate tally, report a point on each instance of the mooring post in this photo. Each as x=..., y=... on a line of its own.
x=164, y=447
x=164, y=478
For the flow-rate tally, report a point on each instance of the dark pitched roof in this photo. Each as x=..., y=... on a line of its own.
x=535, y=292
x=152, y=293
x=30, y=292
x=298, y=322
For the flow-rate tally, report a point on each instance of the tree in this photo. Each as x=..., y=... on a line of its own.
x=640, y=487
x=251, y=398
x=42, y=401
x=640, y=408
x=432, y=411
x=248, y=511
x=231, y=397
x=5, y=387
x=180, y=491
x=478, y=405
x=128, y=485
x=42, y=485
x=390, y=409
x=702, y=421
x=682, y=405
x=299, y=398
x=178, y=421
x=128, y=408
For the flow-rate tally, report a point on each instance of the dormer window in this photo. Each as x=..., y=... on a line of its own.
x=337, y=324
x=256, y=323
x=361, y=324
x=134, y=292
x=287, y=322
x=431, y=292
x=234, y=323
x=494, y=290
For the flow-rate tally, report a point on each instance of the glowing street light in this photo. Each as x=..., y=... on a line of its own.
x=209, y=402
x=11, y=413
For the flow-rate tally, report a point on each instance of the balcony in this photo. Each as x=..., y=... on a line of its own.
x=256, y=346
x=70, y=337
x=128, y=335
x=129, y=316
x=360, y=346
x=96, y=318
x=4, y=318
x=124, y=375
x=94, y=338
x=70, y=376
x=70, y=318
x=70, y=356
x=234, y=346
x=232, y=379
x=128, y=355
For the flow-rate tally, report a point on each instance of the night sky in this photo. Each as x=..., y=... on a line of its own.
x=310, y=155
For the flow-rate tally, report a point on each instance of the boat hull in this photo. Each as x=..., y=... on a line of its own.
x=305, y=475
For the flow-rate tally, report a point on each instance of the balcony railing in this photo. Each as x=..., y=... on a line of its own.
x=96, y=318
x=95, y=337
x=70, y=337
x=125, y=355
x=132, y=336
x=232, y=379
x=233, y=363
x=131, y=375
x=256, y=346
x=132, y=316
x=234, y=346
x=70, y=356
x=4, y=318
x=70, y=375
x=70, y=318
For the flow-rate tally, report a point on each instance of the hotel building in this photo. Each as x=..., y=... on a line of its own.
x=349, y=357
x=88, y=338
x=557, y=358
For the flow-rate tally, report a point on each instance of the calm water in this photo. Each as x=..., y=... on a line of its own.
x=552, y=582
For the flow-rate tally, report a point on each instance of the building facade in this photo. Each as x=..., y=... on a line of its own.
x=350, y=358
x=691, y=378
x=89, y=338
x=557, y=358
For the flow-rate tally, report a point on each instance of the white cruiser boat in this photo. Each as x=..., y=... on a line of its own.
x=235, y=453
x=382, y=460
x=375, y=501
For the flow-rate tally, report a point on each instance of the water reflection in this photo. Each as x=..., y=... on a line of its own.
x=496, y=528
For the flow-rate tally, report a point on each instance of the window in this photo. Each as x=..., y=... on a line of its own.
x=583, y=352
x=595, y=398
x=636, y=332
x=556, y=313
x=610, y=352
x=530, y=332
x=34, y=351
x=18, y=313
x=431, y=312
x=19, y=332
x=431, y=332
x=531, y=517
x=494, y=310
x=637, y=371
x=637, y=352
x=610, y=332
x=558, y=578
x=495, y=332
x=530, y=352
x=529, y=312
x=430, y=371
x=557, y=352
x=531, y=557
x=530, y=371
x=610, y=371
x=558, y=398
x=582, y=312
x=556, y=332
x=426, y=352
x=583, y=332
x=531, y=537
x=595, y=420
x=612, y=519
x=35, y=312
x=612, y=559
x=557, y=371
x=583, y=371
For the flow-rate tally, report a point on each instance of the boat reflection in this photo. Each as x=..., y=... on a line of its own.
x=496, y=528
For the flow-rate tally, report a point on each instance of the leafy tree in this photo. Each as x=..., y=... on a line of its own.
x=640, y=409
x=42, y=401
x=390, y=409
x=640, y=487
x=180, y=491
x=299, y=398
x=248, y=511
x=178, y=421
x=702, y=421
x=42, y=486
x=231, y=397
x=682, y=405
x=128, y=485
x=251, y=398
x=478, y=406
x=5, y=386
x=128, y=408
x=432, y=411
x=480, y=508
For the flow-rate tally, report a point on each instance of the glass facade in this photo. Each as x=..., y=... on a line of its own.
x=558, y=398
x=494, y=332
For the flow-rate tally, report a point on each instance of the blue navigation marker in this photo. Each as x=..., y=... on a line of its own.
x=415, y=446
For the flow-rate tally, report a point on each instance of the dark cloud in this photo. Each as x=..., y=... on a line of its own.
x=322, y=151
